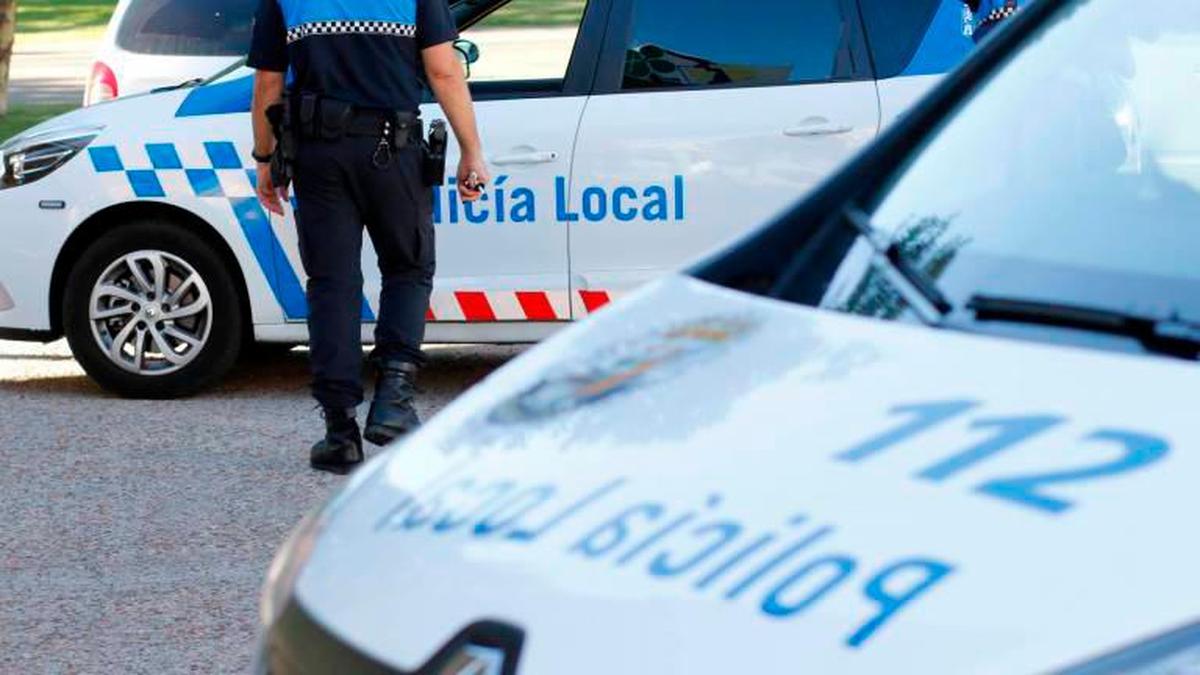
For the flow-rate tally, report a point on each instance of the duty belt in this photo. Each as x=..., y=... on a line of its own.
x=375, y=123
x=318, y=117
x=304, y=116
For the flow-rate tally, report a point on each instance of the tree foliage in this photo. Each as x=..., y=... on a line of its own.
x=8, y=32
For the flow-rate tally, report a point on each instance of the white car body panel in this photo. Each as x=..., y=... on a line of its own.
x=898, y=93
x=694, y=411
x=721, y=157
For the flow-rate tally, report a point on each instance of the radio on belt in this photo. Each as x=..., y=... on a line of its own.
x=435, y=154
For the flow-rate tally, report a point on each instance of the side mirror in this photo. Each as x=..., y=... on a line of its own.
x=468, y=53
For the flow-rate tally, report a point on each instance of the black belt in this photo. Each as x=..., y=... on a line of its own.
x=374, y=123
x=317, y=117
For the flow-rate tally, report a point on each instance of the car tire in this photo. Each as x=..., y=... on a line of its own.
x=152, y=311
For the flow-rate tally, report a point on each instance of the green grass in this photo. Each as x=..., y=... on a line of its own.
x=527, y=13
x=48, y=16
x=21, y=117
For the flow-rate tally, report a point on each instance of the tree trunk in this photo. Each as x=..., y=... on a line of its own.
x=8, y=33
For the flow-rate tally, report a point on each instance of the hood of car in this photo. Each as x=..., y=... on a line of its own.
x=701, y=481
x=128, y=113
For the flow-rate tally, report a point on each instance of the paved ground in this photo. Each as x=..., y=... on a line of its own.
x=51, y=68
x=135, y=534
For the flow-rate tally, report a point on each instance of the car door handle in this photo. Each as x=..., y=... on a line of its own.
x=817, y=126
x=525, y=158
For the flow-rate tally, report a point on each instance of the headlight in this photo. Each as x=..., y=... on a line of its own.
x=289, y=562
x=26, y=159
x=1175, y=653
x=286, y=567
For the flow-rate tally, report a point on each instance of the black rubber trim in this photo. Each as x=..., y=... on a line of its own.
x=298, y=645
x=26, y=335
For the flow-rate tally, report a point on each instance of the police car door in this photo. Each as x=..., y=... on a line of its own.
x=709, y=116
x=503, y=260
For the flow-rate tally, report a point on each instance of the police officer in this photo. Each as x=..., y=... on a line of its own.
x=989, y=14
x=358, y=69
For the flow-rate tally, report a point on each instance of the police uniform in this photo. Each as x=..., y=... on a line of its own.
x=361, y=59
x=990, y=13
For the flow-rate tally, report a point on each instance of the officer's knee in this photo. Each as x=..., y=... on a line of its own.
x=406, y=275
x=335, y=285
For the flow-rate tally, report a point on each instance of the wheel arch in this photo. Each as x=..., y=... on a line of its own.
x=108, y=219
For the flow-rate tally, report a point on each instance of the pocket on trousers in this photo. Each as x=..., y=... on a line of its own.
x=426, y=240
x=422, y=199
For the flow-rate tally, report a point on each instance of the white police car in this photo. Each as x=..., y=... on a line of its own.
x=132, y=228
x=714, y=478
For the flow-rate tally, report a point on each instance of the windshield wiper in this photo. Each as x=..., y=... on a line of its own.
x=194, y=82
x=919, y=290
x=1171, y=336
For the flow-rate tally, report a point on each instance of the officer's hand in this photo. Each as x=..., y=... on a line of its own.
x=271, y=198
x=467, y=183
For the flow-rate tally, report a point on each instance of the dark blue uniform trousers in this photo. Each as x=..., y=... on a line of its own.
x=339, y=191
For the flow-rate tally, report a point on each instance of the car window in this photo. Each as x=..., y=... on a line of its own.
x=706, y=43
x=187, y=27
x=1073, y=176
x=526, y=40
x=916, y=37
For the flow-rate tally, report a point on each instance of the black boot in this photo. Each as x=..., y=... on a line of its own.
x=341, y=449
x=392, y=413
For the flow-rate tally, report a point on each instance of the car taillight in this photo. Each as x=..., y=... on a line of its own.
x=101, y=86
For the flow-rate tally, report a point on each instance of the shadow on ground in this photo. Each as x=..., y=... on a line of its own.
x=262, y=371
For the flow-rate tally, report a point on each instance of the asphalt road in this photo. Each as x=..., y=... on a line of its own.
x=134, y=535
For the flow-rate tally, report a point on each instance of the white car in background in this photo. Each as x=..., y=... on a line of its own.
x=162, y=43
x=938, y=418
x=661, y=130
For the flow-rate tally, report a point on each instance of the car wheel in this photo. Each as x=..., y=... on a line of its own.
x=151, y=311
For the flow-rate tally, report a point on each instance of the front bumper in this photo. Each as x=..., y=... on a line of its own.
x=30, y=240
x=7, y=306
x=297, y=644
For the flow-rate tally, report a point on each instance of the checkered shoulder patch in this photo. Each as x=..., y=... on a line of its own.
x=392, y=28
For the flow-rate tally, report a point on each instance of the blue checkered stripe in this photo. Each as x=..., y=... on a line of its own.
x=216, y=173
x=220, y=174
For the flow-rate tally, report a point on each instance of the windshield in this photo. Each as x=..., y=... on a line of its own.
x=1072, y=177
x=187, y=27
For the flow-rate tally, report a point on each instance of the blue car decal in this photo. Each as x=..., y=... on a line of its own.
x=225, y=98
x=222, y=160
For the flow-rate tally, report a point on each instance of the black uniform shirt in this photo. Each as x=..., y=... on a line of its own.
x=365, y=52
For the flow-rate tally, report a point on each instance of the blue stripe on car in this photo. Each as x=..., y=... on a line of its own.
x=223, y=155
x=145, y=184
x=106, y=159
x=205, y=183
x=270, y=255
x=226, y=98
x=163, y=156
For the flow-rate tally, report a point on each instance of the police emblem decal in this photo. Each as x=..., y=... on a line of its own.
x=623, y=367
